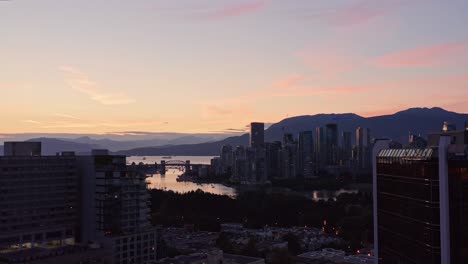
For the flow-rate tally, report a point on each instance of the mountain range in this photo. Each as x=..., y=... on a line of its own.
x=395, y=126
x=398, y=126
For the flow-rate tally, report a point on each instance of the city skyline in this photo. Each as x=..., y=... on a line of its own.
x=214, y=66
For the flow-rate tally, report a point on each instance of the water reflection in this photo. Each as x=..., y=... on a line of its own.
x=169, y=181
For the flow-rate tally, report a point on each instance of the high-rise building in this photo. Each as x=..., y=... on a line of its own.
x=273, y=160
x=347, y=147
x=39, y=198
x=320, y=147
x=331, y=144
x=240, y=166
x=363, y=148
x=306, y=154
x=289, y=157
x=227, y=158
x=115, y=211
x=421, y=203
x=257, y=134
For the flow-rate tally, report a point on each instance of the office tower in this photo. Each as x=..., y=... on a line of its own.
x=115, y=211
x=306, y=154
x=363, y=148
x=257, y=135
x=320, y=147
x=39, y=199
x=347, y=147
x=421, y=203
x=22, y=149
x=273, y=160
x=331, y=144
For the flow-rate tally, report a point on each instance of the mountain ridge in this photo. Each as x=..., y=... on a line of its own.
x=395, y=126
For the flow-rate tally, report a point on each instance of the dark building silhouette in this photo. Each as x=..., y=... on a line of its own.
x=331, y=144
x=306, y=154
x=273, y=159
x=257, y=135
x=320, y=147
x=22, y=149
x=363, y=148
x=39, y=198
x=347, y=147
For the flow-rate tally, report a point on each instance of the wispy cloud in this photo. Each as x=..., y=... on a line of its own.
x=425, y=56
x=79, y=81
x=29, y=121
x=362, y=12
x=66, y=116
x=235, y=10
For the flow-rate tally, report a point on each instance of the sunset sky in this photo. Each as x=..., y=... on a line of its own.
x=192, y=66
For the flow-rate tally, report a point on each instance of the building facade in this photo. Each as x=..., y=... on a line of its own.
x=421, y=204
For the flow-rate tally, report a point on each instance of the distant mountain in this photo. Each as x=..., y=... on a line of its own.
x=396, y=126
x=114, y=145
x=203, y=149
x=1, y=150
x=50, y=146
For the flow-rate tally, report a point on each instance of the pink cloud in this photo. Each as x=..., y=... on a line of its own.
x=424, y=56
x=359, y=13
x=236, y=10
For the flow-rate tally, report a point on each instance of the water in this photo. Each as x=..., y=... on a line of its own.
x=169, y=181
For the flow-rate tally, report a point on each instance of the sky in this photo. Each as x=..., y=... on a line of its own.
x=213, y=66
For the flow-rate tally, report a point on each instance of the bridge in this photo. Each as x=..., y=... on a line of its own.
x=164, y=165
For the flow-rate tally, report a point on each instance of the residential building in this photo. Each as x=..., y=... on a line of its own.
x=115, y=211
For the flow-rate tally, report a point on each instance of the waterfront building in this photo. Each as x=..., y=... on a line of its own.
x=421, y=203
